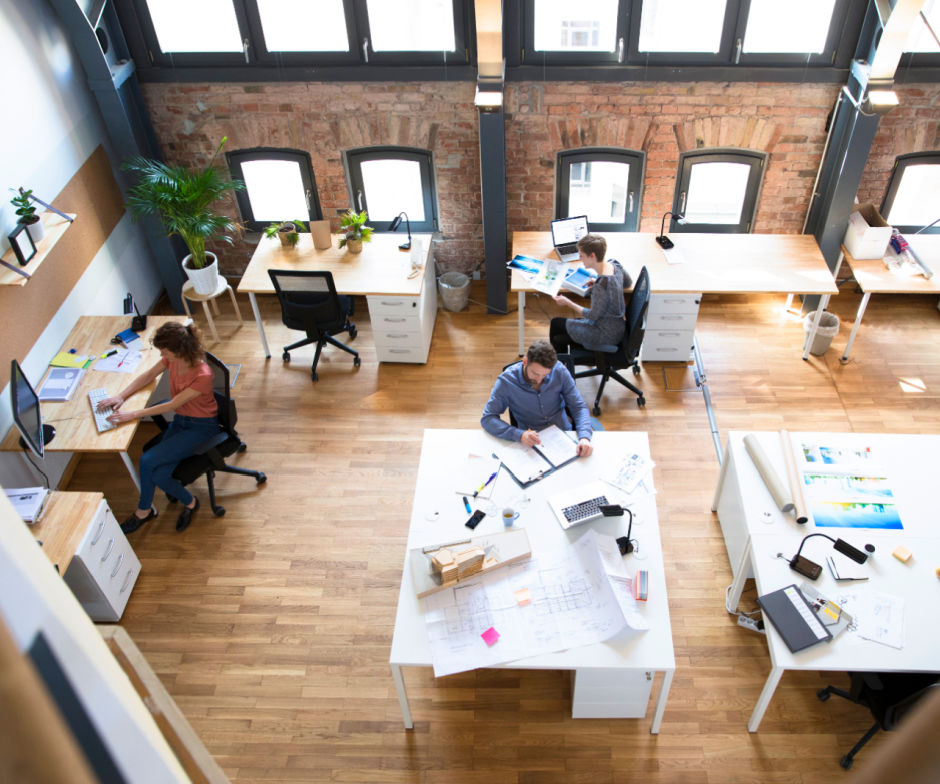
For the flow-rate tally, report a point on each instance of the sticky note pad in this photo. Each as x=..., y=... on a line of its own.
x=523, y=597
x=902, y=553
x=490, y=636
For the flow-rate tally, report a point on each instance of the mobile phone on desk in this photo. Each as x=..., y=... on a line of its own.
x=806, y=567
x=475, y=518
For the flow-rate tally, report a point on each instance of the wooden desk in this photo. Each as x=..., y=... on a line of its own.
x=873, y=277
x=612, y=679
x=380, y=273
x=72, y=419
x=714, y=264
x=755, y=531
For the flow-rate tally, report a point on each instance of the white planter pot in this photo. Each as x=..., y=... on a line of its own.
x=205, y=280
x=36, y=230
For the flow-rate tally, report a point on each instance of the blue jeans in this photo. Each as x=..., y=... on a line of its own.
x=158, y=463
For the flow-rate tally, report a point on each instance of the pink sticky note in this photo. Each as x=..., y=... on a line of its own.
x=523, y=597
x=490, y=636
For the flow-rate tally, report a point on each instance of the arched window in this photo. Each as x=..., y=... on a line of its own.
x=603, y=183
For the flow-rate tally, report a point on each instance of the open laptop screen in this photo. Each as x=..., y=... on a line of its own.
x=568, y=231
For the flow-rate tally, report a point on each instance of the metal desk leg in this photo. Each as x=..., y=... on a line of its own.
x=858, y=322
x=402, y=697
x=661, y=701
x=130, y=468
x=521, y=308
x=763, y=701
x=823, y=304
x=254, y=309
x=721, y=477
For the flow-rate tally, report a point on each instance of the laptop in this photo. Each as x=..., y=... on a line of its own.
x=565, y=235
x=580, y=504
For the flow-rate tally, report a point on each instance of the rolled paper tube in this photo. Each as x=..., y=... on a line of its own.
x=777, y=489
x=793, y=478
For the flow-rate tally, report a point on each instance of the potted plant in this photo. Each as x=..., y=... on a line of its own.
x=353, y=227
x=26, y=212
x=184, y=198
x=288, y=232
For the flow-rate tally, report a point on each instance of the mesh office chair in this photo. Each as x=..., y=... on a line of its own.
x=888, y=695
x=210, y=456
x=606, y=360
x=309, y=303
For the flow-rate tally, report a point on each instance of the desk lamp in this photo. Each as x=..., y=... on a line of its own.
x=812, y=570
x=396, y=223
x=664, y=242
x=615, y=510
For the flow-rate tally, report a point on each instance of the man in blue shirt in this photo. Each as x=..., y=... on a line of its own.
x=536, y=392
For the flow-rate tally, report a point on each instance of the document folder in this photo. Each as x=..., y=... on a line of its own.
x=793, y=618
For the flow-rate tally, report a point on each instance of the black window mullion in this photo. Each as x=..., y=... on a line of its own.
x=274, y=57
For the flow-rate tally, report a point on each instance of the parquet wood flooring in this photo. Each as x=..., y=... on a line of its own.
x=271, y=626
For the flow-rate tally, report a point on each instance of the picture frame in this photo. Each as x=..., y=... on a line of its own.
x=22, y=243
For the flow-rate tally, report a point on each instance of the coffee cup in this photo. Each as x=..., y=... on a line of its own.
x=510, y=516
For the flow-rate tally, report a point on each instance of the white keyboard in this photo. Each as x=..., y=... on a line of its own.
x=95, y=396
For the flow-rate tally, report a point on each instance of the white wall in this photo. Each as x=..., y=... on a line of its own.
x=51, y=126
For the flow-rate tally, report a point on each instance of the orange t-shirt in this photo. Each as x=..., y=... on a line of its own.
x=200, y=379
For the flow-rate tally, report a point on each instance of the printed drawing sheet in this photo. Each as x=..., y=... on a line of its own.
x=559, y=600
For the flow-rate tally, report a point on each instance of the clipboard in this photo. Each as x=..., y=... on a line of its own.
x=528, y=465
x=793, y=618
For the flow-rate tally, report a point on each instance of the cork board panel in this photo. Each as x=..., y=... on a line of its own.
x=95, y=197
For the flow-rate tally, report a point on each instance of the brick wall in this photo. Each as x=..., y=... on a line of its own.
x=787, y=121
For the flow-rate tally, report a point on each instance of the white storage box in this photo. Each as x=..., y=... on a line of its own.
x=868, y=234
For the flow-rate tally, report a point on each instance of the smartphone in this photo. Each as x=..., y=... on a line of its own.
x=475, y=518
x=806, y=567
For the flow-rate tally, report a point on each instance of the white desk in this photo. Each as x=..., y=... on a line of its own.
x=602, y=671
x=755, y=531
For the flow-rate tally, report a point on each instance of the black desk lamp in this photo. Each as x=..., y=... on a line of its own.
x=812, y=570
x=664, y=242
x=616, y=510
x=396, y=223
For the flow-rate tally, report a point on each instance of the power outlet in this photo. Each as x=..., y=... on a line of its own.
x=749, y=623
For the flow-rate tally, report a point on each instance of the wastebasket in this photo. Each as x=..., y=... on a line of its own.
x=828, y=328
x=455, y=290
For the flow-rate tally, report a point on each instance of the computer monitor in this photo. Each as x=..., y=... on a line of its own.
x=27, y=415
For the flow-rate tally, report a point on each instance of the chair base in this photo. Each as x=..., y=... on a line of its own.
x=607, y=373
x=321, y=341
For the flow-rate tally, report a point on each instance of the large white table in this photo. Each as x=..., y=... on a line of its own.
x=606, y=675
x=755, y=531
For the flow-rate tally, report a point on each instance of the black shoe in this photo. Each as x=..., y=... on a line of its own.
x=134, y=522
x=186, y=517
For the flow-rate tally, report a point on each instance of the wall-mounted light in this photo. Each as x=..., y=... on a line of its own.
x=880, y=101
x=488, y=100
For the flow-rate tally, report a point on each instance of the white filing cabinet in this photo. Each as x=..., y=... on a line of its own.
x=81, y=536
x=610, y=694
x=402, y=326
x=670, y=327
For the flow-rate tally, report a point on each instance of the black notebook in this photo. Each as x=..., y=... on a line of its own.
x=793, y=618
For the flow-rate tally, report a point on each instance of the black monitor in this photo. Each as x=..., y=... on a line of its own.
x=26, y=413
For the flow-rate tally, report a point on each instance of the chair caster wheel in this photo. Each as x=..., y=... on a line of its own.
x=597, y=410
x=846, y=762
x=313, y=376
x=353, y=331
x=218, y=511
x=636, y=370
x=262, y=478
x=243, y=447
x=285, y=356
x=641, y=401
x=823, y=695
x=357, y=362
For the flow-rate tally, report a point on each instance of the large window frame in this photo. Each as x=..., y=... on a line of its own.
x=755, y=159
x=352, y=162
x=634, y=186
x=901, y=164
x=236, y=158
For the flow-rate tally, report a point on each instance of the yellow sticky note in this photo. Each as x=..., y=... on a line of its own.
x=523, y=597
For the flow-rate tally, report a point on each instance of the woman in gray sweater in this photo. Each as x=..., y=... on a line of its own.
x=601, y=323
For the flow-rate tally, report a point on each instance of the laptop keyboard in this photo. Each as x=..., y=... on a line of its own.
x=585, y=510
x=95, y=396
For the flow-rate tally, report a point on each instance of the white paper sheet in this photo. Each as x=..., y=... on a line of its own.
x=125, y=361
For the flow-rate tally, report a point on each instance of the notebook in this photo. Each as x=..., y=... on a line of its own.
x=794, y=618
x=565, y=235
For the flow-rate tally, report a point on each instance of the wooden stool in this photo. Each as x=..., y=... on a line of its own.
x=190, y=294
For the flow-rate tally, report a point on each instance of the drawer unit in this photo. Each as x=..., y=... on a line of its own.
x=610, y=694
x=670, y=327
x=402, y=326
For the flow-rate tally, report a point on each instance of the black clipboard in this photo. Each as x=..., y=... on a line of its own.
x=549, y=465
x=794, y=618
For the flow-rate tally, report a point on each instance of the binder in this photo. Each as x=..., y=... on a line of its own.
x=794, y=618
x=529, y=464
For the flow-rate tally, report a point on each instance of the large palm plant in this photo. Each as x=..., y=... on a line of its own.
x=183, y=198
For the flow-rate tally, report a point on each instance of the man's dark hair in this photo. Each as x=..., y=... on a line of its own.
x=542, y=353
x=593, y=244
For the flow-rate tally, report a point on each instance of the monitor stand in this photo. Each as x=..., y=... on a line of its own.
x=48, y=433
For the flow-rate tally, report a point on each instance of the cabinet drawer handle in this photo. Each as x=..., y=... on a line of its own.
x=669, y=334
x=393, y=304
x=127, y=580
x=108, y=551
x=674, y=301
x=394, y=320
x=117, y=566
x=397, y=335
x=399, y=351
x=98, y=533
x=672, y=318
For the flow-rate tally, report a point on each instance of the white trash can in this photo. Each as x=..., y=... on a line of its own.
x=828, y=329
x=455, y=290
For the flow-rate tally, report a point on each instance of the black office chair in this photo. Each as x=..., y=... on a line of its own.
x=606, y=360
x=888, y=695
x=209, y=457
x=309, y=303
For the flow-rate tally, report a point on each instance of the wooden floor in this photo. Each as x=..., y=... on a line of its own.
x=271, y=626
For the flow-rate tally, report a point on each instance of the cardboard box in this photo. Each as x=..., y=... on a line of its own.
x=868, y=234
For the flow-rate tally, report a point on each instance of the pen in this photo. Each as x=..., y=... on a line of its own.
x=466, y=503
x=480, y=488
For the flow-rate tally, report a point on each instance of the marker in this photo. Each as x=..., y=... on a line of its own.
x=480, y=488
x=466, y=503
x=109, y=354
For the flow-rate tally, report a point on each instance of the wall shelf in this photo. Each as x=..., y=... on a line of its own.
x=55, y=226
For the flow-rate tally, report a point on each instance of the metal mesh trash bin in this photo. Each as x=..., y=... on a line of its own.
x=828, y=329
x=455, y=290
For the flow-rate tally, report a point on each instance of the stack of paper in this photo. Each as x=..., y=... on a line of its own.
x=28, y=501
x=60, y=383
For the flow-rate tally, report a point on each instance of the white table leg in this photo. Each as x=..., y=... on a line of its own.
x=858, y=322
x=661, y=701
x=520, y=307
x=130, y=468
x=789, y=303
x=721, y=476
x=254, y=309
x=402, y=697
x=763, y=701
x=205, y=308
x=740, y=575
x=823, y=304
